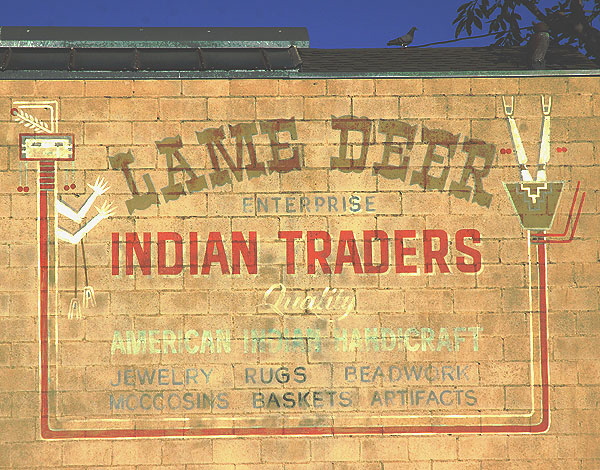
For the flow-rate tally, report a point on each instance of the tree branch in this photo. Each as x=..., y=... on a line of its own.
x=535, y=11
x=567, y=21
x=575, y=24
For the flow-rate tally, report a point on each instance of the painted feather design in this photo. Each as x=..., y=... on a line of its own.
x=30, y=121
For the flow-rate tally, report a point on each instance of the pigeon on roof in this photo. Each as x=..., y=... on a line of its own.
x=403, y=40
x=538, y=45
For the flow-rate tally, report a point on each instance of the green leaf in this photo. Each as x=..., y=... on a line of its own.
x=463, y=7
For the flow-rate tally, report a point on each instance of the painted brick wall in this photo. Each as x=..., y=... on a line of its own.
x=108, y=118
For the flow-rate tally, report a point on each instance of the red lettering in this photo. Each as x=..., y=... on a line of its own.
x=462, y=266
x=313, y=255
x=438, y=255
x=248, y=251
x=215, y=242
x=384, y=251
x=115, y=254
x=401, y=251
x=347, y=240
x=373, y=259
x=177, y=267
x=193, y=252
x=143, y=253
x=290, y=236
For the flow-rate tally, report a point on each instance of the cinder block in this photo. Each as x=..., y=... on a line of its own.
x=59, y=88
x=350, y=87
x=160, y=88
x=279, y=108
x=335, y=449
x=205, y=87
x=483, y=447
x=183, y=109
x=133, y=109
x=302, y=87
x=253, y=87
x=236, y=451
x=108, y=87
x=390, y=86
x=231, y=109
x=432, y=448
x=446, y=86
x=325, y=107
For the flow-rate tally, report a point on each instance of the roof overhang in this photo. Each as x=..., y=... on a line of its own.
x=151, y=37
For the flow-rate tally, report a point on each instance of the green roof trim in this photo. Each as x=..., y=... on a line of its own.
x=278, y=74
x=151, y=37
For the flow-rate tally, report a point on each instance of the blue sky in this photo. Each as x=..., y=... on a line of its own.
x=330, y=23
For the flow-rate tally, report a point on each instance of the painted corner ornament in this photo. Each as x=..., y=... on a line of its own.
x=104, y=212
x=535, y=199
x=544, y=156
x=48, y=147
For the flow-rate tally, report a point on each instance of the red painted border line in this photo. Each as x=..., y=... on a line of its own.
x=44, y=294
x=48, y=433
x=566, y=230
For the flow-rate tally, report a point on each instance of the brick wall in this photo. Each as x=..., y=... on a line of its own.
x=306, y=118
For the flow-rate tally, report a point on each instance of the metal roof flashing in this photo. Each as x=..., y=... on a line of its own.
x=63, y=53
x=151, y=37
x=449, y=74
x=279, y=74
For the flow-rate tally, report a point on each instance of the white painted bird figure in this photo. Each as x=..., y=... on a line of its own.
x=538, y=45
x=404, y=40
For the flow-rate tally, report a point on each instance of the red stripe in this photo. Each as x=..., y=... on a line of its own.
x=47, y=433
x=544, y=336
x=43, y=224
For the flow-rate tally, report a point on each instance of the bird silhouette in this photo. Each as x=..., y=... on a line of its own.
x=403, y=40
x=538, y=45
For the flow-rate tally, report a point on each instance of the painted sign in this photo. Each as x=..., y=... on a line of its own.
x=293, y=277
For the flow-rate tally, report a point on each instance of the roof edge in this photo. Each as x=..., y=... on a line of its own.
x=152, y=37
x=279, y=74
